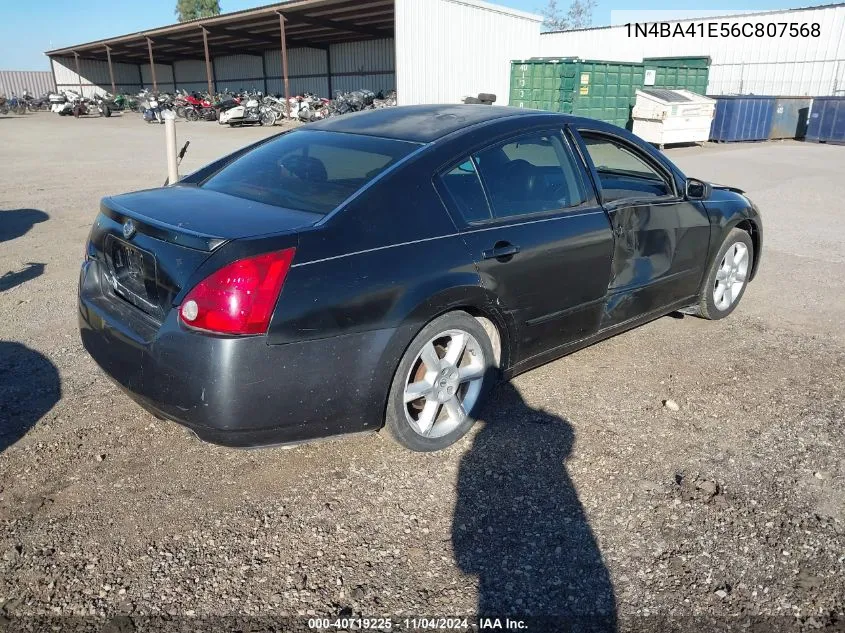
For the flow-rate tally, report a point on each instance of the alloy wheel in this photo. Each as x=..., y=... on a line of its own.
x=444, y=383
x=731, y=276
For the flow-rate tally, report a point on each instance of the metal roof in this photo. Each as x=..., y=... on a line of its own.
x=311, y=23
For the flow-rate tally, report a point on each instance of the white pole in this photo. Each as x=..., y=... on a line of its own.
x=170, y=147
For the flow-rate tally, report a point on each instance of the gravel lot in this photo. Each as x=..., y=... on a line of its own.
x=581, y=494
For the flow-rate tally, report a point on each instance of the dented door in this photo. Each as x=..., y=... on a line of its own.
x=661, y=239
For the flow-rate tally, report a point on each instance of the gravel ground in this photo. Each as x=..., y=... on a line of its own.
x=582, y=494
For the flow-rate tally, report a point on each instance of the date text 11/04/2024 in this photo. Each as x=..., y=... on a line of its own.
x=723, y=29
x=418, y=624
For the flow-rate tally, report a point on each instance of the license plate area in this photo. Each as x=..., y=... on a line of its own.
x=132, y=275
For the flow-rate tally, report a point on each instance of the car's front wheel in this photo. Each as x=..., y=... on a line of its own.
x=440, y=383
x=728, y=276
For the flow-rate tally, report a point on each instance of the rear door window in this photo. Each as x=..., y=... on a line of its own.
x=308, y=170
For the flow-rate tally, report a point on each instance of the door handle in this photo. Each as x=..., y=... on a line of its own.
x=503, y=251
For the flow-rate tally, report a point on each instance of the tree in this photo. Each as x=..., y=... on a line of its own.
x=193, y=9
x=579, y=15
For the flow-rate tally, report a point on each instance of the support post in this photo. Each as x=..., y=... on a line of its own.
x=264, y=72
x=283, y=40
x=329, y=70
x=152, y=64
x=207, y=63
x=78, y=74
x=170, y=143
x=111, y=71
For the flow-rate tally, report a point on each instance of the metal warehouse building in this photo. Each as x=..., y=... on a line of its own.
x=798, y=66
x=430, y=51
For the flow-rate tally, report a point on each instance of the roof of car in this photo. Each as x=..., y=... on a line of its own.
x=421, y=124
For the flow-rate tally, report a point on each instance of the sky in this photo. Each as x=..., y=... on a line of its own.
x=26, y=33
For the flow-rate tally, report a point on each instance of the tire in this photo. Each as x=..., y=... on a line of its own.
x=106, y=111
x=728, y=276
x=472, y=100
x=487, y=97
x=267, y=118
x=449, y=394
x=181, y=112
x=191, y=115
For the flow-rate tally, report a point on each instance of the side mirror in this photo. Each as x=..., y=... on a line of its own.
x=697, y=189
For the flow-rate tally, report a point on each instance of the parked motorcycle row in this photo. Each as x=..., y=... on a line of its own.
x=253, y=108
x=233, y=109
x=23, y=104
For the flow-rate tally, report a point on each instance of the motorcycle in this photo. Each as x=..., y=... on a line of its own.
x=4, y=108
x=16, y=104
x=248, y=113
x=64, y=103
x=152, y=110
x=104, y=106
x=308, y=107
x=197, y=108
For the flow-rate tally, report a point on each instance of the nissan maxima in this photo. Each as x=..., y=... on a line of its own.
x=385, y=269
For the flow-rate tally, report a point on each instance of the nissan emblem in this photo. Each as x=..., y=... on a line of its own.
x=128, y=229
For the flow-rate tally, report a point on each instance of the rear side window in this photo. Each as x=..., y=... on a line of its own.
x=623, y=171
x=531, y=174
x=466, y=192
x=308, y=170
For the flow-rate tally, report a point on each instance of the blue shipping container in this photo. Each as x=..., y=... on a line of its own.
x=827, y=120
x=790, y=117
x=742, y=118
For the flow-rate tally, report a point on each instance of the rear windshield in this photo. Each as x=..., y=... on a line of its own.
x=308, y=170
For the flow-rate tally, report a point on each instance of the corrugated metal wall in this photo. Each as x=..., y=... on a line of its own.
x=355, y=65
x=796, y=66
x=37, y=82
x=164, y=77
x=189, y=74
x=239, y=72
x=95, y=76
x=307, y=71
x=448, y=49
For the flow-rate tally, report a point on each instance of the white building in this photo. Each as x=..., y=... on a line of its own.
x=803, y=65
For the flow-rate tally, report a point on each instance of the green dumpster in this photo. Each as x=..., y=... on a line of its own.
x=604, y=90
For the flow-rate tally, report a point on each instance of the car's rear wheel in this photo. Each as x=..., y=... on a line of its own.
x=440, y=384
x=728, y=276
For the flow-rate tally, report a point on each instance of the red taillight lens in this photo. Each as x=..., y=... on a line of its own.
x=238, y=298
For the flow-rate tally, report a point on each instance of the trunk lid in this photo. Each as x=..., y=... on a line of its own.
x=191, y=209
x=148, y=244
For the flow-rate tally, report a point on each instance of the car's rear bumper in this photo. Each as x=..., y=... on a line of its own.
x=238, y=391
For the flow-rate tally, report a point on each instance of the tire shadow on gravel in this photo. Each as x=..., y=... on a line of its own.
x=15, y=223
x=29, y=388
x=520, y=527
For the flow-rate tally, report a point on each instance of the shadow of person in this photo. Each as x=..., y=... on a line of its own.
x=15, y=278
x=29, y=388
x=17, y=222
x=520, y=528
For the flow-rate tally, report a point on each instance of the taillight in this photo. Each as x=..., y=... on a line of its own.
x=238, y=298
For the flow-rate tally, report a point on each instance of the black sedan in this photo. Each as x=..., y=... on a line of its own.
x=385, y=269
